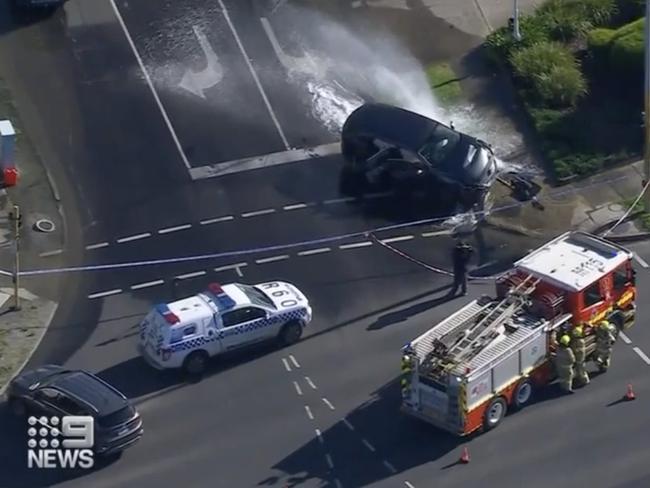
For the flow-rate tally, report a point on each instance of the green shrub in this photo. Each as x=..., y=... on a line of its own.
x=626, y=54
x=599, y=40
x=551, y=73
x=571, y=19
x=501, y=44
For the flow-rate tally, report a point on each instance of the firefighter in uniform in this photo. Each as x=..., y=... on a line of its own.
x=605, y=339
x=461, y=256
x=580, y=351
x=564, y=363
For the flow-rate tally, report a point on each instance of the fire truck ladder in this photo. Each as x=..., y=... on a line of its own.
x=465, y=341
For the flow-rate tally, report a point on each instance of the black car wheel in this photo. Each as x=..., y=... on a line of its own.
x=290, y=333
x=196, y=363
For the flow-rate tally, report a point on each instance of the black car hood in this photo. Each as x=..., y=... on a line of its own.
x=472, y=171
x=392, y=124
x=38, y=375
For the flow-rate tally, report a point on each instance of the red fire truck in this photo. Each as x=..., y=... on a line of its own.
x=467, y=371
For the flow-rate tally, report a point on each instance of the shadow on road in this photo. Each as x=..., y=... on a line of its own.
x=403, y=442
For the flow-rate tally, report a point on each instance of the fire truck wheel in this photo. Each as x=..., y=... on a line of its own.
x=522, y=394
x=196, y=363
x=494, y=413
x=290, y=333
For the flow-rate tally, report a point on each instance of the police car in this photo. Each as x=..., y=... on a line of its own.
x=186, y=333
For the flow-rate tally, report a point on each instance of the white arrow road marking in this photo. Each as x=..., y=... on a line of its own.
x=196, y=82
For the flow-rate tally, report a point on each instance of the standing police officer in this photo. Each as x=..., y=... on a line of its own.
x=461, y=256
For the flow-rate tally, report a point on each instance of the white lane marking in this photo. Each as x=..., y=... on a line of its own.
x=640, y=260
x=190, y=275
x=225, y=218
x=310, y=383
x=228, y=267
x=258, y=212
x=397, y=239
x=295, y=206
x=263, y=161
x=339, y=200
x=389, y=466
x=293, y=360
x=105, y=293
x=355, y=245
x=176, y=228
x=147, y=78
x=147, y=284
x=384, y=194
x=97, y=246
x=314, y=251
x=254, y=75
x=348, y=424
x=272, y=259
x=435, y=233
x=330, y=463
x=56, y=252
x=642, y=355
x=297, y=386
x=286, y=364
x=309, y=414
x=408, y=484
x=328, y=403
x=368, y=445
x=320, y=436
x=135, y=237
x=625, y=338
x=239, y=272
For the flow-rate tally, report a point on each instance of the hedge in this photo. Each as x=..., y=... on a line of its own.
x=627, y=51
x=571, y=19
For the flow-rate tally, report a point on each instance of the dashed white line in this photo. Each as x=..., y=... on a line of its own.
x=319, y=436
x=309, y=414
x=296, y=206
x=286, y=364
x=228, y=267
x=225, y=218
x=99, y=245
x=147, y=284
x=310, y=382
x=642, y=355
x=384, y=194
x=293, y=360
x=176, y=228
x=314, y=251
x=348, y=424
x=258, y=212
x=105, y=293
x=272, y=259
x=368, y=445
x=135, y=237
x=397, y=239
x=640, y=260
x=190, y=275
x=435, y=233
x=625, y=338
x=226, y=15
x=51, y=253
x=389, y=466
x=355, y=245
x=339, y=200
x=328, y=403
x=408, y=484
x=329, y=461
x=297, y=386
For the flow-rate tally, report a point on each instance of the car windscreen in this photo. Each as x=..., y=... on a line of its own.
x=116, y=418
x=256, y=296
x=440, y=145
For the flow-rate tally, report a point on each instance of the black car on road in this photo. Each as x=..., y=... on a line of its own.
x=384, y=145
x=54, y=390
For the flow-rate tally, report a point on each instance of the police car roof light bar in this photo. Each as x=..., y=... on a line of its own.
x=169, y=316
x=215, y=288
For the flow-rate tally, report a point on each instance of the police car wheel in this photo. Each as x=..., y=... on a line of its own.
x=17, y=407
x=196, y=363
x=494, y=413
x=522, y=394
x=290, y=333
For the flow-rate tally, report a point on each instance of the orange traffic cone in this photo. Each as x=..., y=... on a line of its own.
x=464, y=457
x=629, y=394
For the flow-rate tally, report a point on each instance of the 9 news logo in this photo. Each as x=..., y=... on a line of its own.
x=60, y=442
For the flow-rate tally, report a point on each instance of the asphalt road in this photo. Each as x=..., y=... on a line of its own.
x=252, y=420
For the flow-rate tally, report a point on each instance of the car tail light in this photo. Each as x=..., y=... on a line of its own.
x=166, y=354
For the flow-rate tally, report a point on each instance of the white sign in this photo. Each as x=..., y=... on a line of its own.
x=61, y=442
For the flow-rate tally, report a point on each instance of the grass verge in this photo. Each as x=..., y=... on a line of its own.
x=444, y=83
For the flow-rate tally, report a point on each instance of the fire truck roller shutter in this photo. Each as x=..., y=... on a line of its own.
x=495, y=412
x=522, y=394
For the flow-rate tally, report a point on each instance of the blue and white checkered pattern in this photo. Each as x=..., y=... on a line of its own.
x=198, y=342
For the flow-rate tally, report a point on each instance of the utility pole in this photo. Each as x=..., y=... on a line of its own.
x=646, y=159
x=15, y=219
x=516, y=32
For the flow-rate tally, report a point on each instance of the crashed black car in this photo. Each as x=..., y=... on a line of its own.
x=385, y=146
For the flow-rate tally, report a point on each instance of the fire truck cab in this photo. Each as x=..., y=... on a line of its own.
x=467, y=371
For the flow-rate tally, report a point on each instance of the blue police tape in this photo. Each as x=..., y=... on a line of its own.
x=279, y=247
